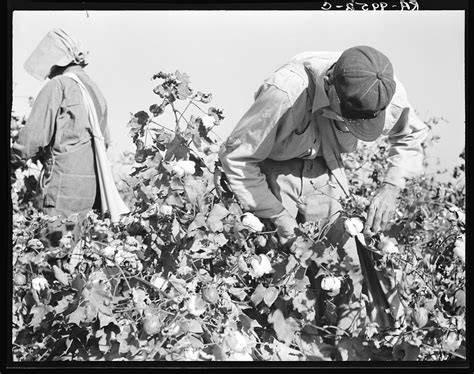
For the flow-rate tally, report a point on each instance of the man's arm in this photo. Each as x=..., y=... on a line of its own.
x=405, y=159
x=40, y=125
x=250, y=143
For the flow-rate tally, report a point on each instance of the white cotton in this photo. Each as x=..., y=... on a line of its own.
x=196, y=306
x=460, y=248
x=166, y=210
x=39, y=283
x=388, y=245
x=160, y=283
x=353, y=226
x=208, y=121
x=189, y=167
x=259, y=266
x=331, y=284
x=250, y=221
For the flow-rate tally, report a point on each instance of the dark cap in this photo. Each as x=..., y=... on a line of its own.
x=364, y=82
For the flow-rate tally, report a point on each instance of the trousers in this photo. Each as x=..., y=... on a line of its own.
x=310, y=193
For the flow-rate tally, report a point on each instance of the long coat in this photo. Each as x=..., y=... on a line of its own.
x=59, y=120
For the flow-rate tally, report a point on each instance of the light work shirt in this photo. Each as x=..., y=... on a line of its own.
x=291, y=118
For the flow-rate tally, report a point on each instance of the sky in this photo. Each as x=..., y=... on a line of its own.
x=229, y=53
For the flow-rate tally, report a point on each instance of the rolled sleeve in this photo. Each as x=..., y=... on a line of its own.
x=40, y=125
x=250, y=143
x=405, y=159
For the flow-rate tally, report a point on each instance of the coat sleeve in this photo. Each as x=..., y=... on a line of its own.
x=40, y=126
x=250, y=143
x=405, y=159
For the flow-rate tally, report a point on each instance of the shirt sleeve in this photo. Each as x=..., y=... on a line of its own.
x=41, y=123
x=250, y=143
x=405, y=159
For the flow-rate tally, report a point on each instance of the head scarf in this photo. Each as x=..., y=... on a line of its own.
x=56, y=48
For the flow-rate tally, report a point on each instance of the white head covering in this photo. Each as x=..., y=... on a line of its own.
x=56, y=48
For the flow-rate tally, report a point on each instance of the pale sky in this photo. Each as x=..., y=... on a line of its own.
x=229, y=53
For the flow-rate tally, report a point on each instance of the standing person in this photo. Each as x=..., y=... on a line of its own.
x=60, y=131
x=283, y=159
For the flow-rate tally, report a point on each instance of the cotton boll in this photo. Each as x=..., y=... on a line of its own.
x=251, y=222
x=207, y=121
x=353, y=226
x=332, y=285
x=460, y=248
x=388, y=245
x=196, y=305
x=189, y=167
x=178, y=170
x=39, y=283
x=259, y=266
x=166, y=210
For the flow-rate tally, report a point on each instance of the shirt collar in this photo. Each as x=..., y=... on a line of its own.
x=321, y=99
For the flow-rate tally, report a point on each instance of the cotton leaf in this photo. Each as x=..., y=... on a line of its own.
x=178, y=284
x=99, y=298
x=78, y=316
x=258, y=294
x=60, y=275
x=238, y=292
x=248, y=324
x=194, y=326
x=285, y=328
x=217, y=214
x=270, y=295
x=194, y=189
x=198, y=222
x=39, y=313
x=284, y=352
x=63, y=304
x=314, y=349
x=175, y=228
x=105, y=320
x=302, y=249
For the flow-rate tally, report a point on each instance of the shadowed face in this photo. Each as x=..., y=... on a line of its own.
x=335, y=104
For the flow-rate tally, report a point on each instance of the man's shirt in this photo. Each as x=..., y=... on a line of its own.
x=286, y=121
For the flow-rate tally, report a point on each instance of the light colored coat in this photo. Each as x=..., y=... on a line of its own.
x=59, y=115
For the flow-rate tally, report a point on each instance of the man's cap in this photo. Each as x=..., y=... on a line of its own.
x=364, y=82
x=56, y=48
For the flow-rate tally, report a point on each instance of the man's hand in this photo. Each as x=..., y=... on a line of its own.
x=286, y=226
x=381, y=208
